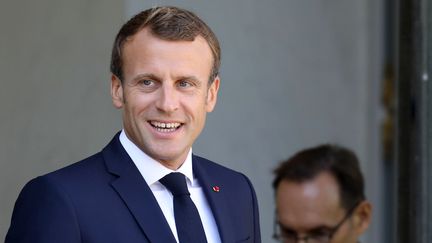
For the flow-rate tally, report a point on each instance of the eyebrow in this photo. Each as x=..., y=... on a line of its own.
x=189, y=78
x=314, y=229
x=145, y=75
x=154, y=77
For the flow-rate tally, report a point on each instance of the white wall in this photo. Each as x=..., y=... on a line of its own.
x=294, y=74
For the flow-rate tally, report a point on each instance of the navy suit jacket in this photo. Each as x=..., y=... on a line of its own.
x=104, y=199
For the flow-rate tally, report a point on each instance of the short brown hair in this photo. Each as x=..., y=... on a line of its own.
x=338, y=161
x=167, y=23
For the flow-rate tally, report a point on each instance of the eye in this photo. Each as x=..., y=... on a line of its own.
x=184, y=84
x=146, y=82
x=320, y=234
x=288, y=234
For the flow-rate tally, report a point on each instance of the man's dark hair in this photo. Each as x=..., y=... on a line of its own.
x=167, y=23
x=335, y=160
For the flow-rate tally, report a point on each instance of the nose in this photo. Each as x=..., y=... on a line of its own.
x=302, y=239
x=167, y=100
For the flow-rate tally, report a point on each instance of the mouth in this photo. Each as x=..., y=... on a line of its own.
x=165, y=127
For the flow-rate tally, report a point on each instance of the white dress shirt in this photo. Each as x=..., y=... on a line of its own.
x=152, y=171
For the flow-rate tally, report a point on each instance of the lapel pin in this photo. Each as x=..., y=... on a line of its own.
x=216, y=188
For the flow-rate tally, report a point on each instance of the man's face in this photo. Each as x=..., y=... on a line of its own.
x=314, y=207
x=165, y=94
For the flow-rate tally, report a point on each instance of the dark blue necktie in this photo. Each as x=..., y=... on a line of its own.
x=188, y=221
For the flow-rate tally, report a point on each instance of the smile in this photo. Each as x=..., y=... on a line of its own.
x=165, y=126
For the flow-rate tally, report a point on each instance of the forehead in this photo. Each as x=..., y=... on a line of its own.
x=144, y=45
x=310, y=204
x=144, y=53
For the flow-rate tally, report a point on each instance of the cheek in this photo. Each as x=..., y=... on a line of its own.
x=345, y=234
x=137, y=102
x=194, y=105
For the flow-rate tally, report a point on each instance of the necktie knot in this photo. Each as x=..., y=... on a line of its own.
x=176, y=183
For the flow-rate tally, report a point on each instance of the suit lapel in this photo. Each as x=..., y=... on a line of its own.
x=216, y=200
x=136, y=194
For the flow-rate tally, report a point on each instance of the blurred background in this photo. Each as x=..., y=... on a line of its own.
x=294, y=73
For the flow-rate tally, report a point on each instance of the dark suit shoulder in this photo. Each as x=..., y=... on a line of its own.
x=211, y=172
x=82, y=180
x=213, y=166
x=83, y=168
x=235, y=203
x=92, y=167
x=81, y=202
x=41, y=205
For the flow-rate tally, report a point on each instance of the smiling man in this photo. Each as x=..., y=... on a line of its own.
x=320, y=197
x=146, y=185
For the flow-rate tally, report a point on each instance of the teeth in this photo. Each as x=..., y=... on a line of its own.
x=165, y=126
x=165, y=130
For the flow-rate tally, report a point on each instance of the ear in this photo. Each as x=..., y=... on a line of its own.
x=362, y=217
x=212, y=94
x=116, y=92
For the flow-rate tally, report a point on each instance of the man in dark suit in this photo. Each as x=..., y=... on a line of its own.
x=320, y=197
x=164, y=65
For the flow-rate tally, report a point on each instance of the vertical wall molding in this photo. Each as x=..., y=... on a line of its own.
x=413, y=147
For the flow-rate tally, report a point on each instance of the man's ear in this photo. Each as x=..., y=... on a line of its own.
x=362, y=217
x=116, y=92
x=212, y=93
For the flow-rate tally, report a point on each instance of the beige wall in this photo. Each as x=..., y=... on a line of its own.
x=294, y=74
x=54, y=94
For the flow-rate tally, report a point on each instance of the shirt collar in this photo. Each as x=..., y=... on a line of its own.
x=151, y=170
